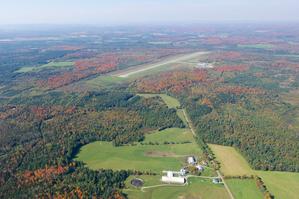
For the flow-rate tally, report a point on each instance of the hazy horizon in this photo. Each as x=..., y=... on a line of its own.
x=126, y=12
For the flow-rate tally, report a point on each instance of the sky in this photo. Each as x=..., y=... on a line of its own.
x=140, y=11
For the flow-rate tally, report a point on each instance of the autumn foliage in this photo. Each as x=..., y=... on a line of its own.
x=228, y=68
x=42, y=112
x=239, y=90
x=285, y=64
x=174, y=81
x=230, y=55
x=30, y=177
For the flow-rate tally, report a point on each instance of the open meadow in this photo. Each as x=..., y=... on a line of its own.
x=232, y=162
x=281, y=184
x=244, y=188
x=51, y=65
x=170, y=135
x=155, y=156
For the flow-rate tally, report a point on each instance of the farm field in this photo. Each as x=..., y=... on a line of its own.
x=155, y=158
x=147, y=67
x=45, y=66
x=170, y=135
x=244, y=188
x=232, y=162
x=197, y=188
x=281, y=184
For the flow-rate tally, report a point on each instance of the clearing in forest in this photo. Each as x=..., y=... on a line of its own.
x=99, y=154
x=51, y=65
x=171, y=102
x=232, y=162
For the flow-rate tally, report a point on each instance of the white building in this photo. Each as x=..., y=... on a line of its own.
x=183, y=171
x=171, y=178
x=191, y=160
x=216, y=180
x=199, y=167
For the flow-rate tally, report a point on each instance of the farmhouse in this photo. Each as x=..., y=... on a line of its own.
x=199, y=167
x=173, y=177
x=191, y=160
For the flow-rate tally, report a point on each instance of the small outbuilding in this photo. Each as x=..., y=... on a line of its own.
x=191, y=160
x=199, y=168
x=216, y=180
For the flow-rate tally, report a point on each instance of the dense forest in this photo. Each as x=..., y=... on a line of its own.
x=45, y=132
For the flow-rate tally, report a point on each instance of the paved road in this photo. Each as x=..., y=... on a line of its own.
x=131, y=71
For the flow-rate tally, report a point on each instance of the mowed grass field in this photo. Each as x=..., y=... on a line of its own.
x=244, y=188
x=281, y=184
x=170, y=135
x=155, y=158
x=196, y=189
x=232, y=162
x=45, y=66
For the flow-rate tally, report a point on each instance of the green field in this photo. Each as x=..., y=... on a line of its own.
x=197, y=188
x=281, y=184
x=154, y=158
x=181, y=115
x=171, y=102
x=232, y=162
x=170, y=135
x=50, y=65
x=244, y=189
x=104, y=81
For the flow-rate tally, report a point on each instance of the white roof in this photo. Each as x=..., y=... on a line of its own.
x=179, y=180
